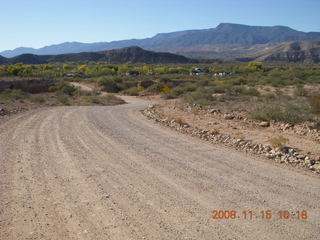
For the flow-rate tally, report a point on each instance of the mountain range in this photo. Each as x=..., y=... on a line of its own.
x=119, y=56
x=305, y=51
x=226, y=40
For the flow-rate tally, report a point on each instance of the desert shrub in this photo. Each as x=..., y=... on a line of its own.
x=250, y=92
x=202, y=96
x=111, y=84
x=64, y=88
x=165, y=80
x=37, y=99
x=215, y=131
x=111, y=99
x=278, y=142
x=157, y=87
x=94, y=92
x=222, y=87
x=203, y=82
x=62, y=98
x=14, y=94
x=276, y=82
x=180, y=90
x=133, y=91
x=281, y=112
x=140, y=88
x=94, y=99
x=315, y=103
x=219, y=89
x=146, y=83
x=267, y=97
x=239, y=81
x=255, y=66
x=180, y=121
x=169, y=94
x=239, y=135
x=189, y=87
x=300, y=91
x=107, y=99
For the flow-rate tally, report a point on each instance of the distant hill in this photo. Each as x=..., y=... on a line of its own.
x=125, y=55
x=2, y=60
x=293, y=51
x=226, y=39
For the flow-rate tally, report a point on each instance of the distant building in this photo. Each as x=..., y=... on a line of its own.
x=70, y=75
x=221, y=74
x=132, y=73
x=197, y=72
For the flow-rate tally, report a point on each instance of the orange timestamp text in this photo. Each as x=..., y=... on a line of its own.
x=263, y=214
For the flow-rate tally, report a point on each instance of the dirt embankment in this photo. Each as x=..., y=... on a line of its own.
x=300, y=144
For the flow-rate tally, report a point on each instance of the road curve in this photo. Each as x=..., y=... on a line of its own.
x=107, y=173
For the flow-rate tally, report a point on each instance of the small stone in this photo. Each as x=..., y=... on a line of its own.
x=285, y=149
x=316, y=166
x=267, y=148
x=264, y=124
x=229, y=116
x=270, y=155
x=214, y=111
x=309, y=162
x=287, y=126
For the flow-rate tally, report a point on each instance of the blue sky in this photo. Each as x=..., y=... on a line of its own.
x=36, y=23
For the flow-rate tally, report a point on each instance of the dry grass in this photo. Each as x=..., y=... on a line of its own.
x=279, y=141
x=239, y=135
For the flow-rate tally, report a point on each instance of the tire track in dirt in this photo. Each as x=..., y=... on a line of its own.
x=107, y=173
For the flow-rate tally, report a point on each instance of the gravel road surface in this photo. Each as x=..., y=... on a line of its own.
x=108, y=173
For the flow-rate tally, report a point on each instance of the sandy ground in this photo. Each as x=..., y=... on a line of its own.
x=107, y=173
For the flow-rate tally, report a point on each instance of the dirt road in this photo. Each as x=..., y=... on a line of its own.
x=107, y=173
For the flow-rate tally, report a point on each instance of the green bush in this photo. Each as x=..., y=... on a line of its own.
x=268, y=97
x=94, y=99
x=314, y=102
x=300, y=91
x=179, y=90
x=64, y=88
x=94, y=92
x=108, y=99
x=13, y=94
x=250, y=92
x=37, y=99
x=222, y=87
x=202, y=96
x=62, y=98
x=133, y=91
x=111, y=84
x=169, y=95
x=281, y=112
x=157, y=87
